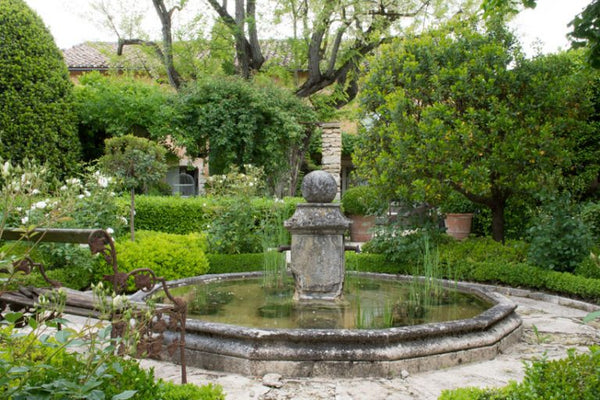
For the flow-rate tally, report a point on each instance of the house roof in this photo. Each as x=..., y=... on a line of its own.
x=102, y=56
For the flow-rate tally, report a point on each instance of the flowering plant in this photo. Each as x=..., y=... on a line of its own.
x=237, y=183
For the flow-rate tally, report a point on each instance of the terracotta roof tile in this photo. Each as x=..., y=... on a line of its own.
x=103, y=56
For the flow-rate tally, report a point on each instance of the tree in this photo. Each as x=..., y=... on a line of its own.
x=114, y=106
x=331, y=38
x=37, y=119
x=136, y=162
x=459, y=109
x=245, y=123
x=586, y=32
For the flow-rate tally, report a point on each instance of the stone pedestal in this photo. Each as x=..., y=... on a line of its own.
x=317, y=229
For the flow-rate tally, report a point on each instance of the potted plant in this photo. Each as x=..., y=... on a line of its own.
x=361, y=204
x=458, y=212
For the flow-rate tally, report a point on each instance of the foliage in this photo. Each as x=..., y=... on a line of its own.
x=363, y=200
x=201, y=214
x=170, y=256
x=483, y=260
x=241, y=224
x=236, y=183
x=349, y=142
x=192, y=392
x=574, y=377
x=585, y=32
x=42, y=363
x=456, y=203
x=590, y=216
x=37, y=118
x=84, y=202
x=450, y=110
x=228, y=263
x=136, y=163
x=402, y=244
x=245, y=124
x=559, y=239
x=115, y=106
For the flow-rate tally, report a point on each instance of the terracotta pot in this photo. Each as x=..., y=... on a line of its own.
x=458, y=225
x=360, y=228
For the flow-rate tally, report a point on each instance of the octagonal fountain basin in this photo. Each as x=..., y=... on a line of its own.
x=380, y=327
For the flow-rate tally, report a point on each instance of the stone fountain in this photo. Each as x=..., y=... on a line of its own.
x=317, y=252
x=317, y=265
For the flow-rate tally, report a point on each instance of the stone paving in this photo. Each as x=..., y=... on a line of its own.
x=552, y=325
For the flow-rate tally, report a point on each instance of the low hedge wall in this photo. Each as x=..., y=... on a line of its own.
x=493, y=272
x=230, y=263
x=172, y=214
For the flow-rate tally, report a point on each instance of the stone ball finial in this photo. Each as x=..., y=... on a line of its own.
x=319, y=187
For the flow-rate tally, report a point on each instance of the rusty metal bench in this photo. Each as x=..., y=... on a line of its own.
x=165, y=317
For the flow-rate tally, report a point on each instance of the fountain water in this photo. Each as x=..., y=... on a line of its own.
x=317, y=265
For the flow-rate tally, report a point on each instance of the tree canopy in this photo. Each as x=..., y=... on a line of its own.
x=136, y=163
x=245, y=123
x=37, y=119
x=460, y=109
x=328, y=39
x=117, y=105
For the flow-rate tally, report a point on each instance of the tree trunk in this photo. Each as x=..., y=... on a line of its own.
x=132, y=215
x=498, y=221
x=165, y=20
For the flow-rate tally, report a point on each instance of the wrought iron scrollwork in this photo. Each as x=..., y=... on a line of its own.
x=170, y=317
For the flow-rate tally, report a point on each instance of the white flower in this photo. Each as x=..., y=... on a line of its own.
x=86, y=193
x=24, y=220
x=64, y=187
x=41, y=205
x=80, y=196
x=110, y=231
x=251, y=184
x=102, y=181
x=35, y=191
x=119, y=301
x=124, y=220
x=6, y=168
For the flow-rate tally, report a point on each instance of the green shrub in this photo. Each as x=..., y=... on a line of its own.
x=228, y=263
x=364, y=262
x=233, y=224
x=168, y=255
x=559, y=240
x=33, y=368
x=190, y=391
x=115, y=106
x=590, y=215
x=363, y=200
x=401, y=244
x=37, y=118
x=575, y=377
x=483, y=249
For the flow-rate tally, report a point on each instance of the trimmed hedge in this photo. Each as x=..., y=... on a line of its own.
x=501, y=271
x=186, y=215
x=229, y=263
x=168, y=255
x=486, y=261
x=37, y=116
